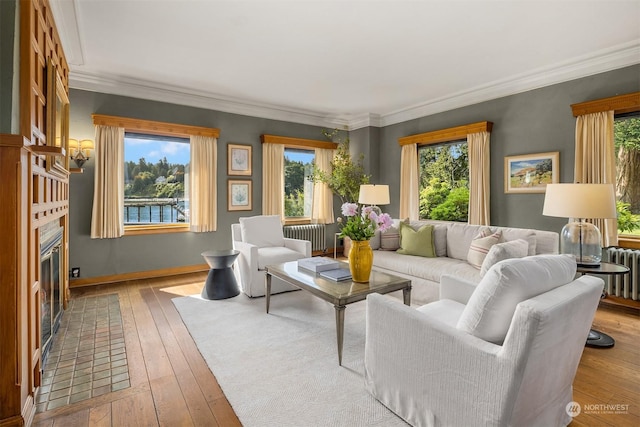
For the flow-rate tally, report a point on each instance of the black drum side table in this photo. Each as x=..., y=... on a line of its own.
x=221, y=283
x=600, y=339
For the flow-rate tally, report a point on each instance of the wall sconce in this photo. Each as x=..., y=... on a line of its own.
x=80, y=151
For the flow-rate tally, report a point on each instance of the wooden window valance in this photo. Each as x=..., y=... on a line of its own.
x=446, y=135
x=153, y=127
x=618, y=104
x=297, y=142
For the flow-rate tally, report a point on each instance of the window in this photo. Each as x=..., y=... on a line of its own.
x=444, y=181
x=156, y=180
x=627, y=150
x=298, y=190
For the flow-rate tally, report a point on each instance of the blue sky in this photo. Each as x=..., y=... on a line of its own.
x=153, y=151
x=177, y=152
x=297, y=156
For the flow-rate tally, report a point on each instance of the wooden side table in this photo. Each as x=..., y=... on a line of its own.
x=600, y=339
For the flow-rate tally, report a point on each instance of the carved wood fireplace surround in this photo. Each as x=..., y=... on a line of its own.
x=34, y=195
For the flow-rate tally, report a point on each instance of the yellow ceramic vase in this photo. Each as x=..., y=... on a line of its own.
x=360, y=261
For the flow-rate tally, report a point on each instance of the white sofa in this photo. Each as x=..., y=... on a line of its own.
x=452, y=242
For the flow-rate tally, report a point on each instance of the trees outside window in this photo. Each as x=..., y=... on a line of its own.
x=156, y=179
x=627, y=148
x=298, y=189
x=444, y=181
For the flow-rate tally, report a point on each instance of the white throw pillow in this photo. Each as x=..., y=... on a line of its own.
x=481, y=245
x=262, y=231
x=514, y=249
x=491, y=306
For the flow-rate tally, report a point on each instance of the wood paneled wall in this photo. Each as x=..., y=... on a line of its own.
x=30, y=197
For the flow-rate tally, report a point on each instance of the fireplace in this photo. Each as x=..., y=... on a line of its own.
x=51, y=292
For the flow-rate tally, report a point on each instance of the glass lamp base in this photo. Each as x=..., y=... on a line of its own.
x=583, y=241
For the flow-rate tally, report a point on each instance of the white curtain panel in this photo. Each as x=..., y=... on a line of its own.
x=409, y=185
x=107, y=218
x=479, y=178
x=203, y=197
x=273, y=179
x=322, y=208
x=595, y=162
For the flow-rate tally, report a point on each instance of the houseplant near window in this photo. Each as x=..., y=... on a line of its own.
x=346, y=174
x=345, y=177
x=359, y=225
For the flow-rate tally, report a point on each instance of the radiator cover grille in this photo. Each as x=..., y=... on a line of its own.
x=626, y=285
x=315, y=233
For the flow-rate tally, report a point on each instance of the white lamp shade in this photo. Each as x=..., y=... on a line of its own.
x=371, y=194
x=73, y=144
x=580, y=201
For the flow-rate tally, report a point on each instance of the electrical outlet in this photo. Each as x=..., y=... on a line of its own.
x=75, y=272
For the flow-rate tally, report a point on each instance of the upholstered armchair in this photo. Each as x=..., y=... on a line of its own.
x=502, y=353
x=260, y=241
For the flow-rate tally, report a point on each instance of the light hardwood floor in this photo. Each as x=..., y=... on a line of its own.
x=171, y=384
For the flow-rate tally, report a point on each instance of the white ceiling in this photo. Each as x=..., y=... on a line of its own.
x=336, y=63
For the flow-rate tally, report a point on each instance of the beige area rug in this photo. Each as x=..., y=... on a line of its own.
x=281, y=369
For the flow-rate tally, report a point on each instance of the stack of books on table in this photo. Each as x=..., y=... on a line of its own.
x=326, y=267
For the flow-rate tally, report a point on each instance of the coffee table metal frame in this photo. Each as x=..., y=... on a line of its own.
x=337, y=293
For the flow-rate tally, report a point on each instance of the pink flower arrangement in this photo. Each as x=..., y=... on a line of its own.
x=362, y=225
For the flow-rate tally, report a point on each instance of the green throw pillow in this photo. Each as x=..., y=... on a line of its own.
x=418, y=243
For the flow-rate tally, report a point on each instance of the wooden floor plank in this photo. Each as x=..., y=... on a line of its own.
x=206, y=380
x=134, y=411
x=170, y=404
x=171, y=346
x=100, y=416
x=79, y=418
x=155, y=356
x=135, y=358
x=199, y=372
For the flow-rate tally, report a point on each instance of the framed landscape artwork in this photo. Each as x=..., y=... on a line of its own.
x=239, y=195
x=238, y=159
x=530, y=173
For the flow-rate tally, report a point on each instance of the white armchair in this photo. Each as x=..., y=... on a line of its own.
x=504, y=353
x=260, y=241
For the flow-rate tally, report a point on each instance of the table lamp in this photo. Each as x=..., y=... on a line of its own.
x=374, y=195
x=581, y=201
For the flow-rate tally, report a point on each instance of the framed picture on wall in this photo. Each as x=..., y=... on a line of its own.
x=238, y=159
x=239, y=195
x=530, y=173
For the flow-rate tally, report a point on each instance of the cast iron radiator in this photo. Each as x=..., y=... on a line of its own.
x=626, y=285
x=315, y=233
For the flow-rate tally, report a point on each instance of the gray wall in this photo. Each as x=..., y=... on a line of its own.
x=9, y=66
x=101, y=257
x=530, y=122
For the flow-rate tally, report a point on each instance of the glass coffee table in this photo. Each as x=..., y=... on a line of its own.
x=337, y=293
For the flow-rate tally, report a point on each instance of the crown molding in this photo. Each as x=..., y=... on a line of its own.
x=179, y=95
x=620, y=56
x=602, y=61
x=64, y=15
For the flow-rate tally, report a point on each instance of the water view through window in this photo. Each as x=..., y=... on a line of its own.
x=156, y=179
